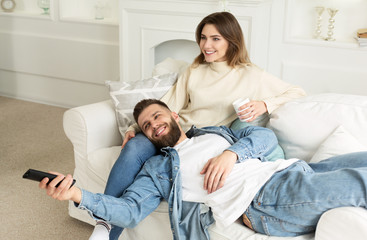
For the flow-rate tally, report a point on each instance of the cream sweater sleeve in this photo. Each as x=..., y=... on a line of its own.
x=177, y=97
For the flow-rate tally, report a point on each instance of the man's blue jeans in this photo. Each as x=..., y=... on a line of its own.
x=127, y=166
x=292, y=201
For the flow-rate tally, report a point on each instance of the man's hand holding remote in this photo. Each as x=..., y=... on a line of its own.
x=63, y=191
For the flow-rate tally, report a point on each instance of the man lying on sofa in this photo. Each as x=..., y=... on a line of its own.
x=281, y=198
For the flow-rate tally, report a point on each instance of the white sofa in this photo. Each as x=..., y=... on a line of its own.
x=303, y=127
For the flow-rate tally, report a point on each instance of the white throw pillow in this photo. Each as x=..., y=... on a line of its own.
x=303, y=124
x=170, y=65
x=339, y=142
x=125, y=95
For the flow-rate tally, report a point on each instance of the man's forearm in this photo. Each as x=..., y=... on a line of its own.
x=122, y=211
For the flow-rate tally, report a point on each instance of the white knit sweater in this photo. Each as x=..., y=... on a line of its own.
x=203, y=95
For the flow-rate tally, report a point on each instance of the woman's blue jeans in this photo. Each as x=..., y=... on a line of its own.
x=293, y=200
x=127, y=166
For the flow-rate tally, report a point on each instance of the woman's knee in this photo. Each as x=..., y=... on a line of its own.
x=138, y=149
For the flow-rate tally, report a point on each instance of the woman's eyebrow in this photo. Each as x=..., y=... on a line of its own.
x=215, y=35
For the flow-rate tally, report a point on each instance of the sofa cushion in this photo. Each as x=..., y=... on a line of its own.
x=302, y=125
x=125, y=95
x=342, y=223
x=339, y=142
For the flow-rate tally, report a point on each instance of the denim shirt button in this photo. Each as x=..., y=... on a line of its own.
x=176, y=168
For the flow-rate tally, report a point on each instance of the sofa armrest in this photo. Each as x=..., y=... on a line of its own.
x=342, y=223
x=91, y=127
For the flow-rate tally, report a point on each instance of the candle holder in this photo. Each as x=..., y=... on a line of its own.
x=319, y=11
x=332, y=12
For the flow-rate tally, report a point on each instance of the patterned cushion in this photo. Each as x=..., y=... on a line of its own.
x=125, y=95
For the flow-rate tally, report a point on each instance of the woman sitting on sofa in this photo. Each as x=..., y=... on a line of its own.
x=203, y=96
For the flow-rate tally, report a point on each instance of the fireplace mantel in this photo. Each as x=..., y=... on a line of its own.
x=146, y=25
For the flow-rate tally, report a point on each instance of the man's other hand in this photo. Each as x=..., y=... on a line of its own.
x=217, y=169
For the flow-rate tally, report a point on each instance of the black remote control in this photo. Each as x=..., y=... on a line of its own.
x=36, y=175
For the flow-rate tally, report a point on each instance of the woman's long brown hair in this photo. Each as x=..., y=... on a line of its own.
x=228, y=26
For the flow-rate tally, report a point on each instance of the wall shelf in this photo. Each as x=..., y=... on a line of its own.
x=26, y=15
x=86, y=11
x=29, y=9
x=106, y=21
x=346, y=44
x=302, y=20
x=83, y=11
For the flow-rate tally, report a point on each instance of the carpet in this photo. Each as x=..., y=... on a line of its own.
x=32, y=136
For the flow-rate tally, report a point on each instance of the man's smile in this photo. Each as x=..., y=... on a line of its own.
x=160, y=130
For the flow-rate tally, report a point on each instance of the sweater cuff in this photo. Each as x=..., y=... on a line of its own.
x=270, y=107
x=134, y=128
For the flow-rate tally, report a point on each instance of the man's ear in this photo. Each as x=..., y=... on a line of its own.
x=175, y=116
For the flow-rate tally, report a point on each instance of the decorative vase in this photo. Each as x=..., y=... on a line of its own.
x=45, y=5
x=100, y=6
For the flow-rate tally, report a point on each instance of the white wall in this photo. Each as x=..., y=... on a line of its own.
x=317, y=65
x=63, y=63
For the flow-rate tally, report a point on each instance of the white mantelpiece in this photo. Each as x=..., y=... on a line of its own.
x=147, y=25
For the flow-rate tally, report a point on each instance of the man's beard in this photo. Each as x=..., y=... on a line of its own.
x=171, y=138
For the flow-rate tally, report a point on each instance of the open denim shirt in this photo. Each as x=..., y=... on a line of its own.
x=159, y=179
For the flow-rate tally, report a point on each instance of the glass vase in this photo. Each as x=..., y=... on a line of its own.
x=45, y=5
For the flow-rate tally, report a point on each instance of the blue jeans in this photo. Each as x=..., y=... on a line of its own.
x=293, y=200
x=127, y=166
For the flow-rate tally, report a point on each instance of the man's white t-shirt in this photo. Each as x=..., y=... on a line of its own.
x=245, y=180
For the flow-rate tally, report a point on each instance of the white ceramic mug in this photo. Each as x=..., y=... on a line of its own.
x=237, y=104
